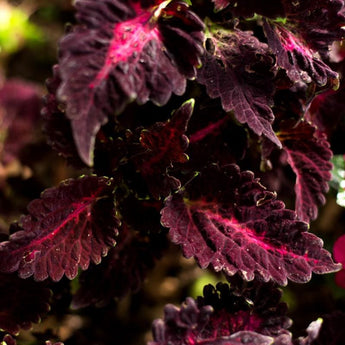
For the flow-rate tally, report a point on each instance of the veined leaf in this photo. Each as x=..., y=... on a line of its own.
x=239, y=69
x=227, y=220
x=66, y=228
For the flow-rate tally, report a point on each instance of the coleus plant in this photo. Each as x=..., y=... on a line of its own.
x=175, y=110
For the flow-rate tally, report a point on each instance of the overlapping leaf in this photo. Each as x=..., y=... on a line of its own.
x=164, y=144
x=66, y=228
x=22, y=302
x=319, y=22
x=221, y=317
x=294, y=55
x=121, y=272
x=239, y=69
x=227, y=220
x=309, y=156
x=128, y=52
x=216, y=138
x=255, y=307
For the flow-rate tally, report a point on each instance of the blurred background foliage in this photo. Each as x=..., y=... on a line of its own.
x=29, y=33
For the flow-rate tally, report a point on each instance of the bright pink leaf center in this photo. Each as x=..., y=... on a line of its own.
x=129, y=39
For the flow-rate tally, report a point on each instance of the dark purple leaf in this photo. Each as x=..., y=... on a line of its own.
x=309, y=157
x=327, y=112
x=319, y=22
x=127, y=52
x=22, y=302
x=163, y=145
x=66, y=228
x=56, y=126
x=253, y=307
x=294, y=55
x=121, y=272
x=20, y=104
x=225, y=218
x=239, y=69
x=217, y=138
x=222, y=316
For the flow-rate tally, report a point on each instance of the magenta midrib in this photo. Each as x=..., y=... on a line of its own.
x=202, y=133
x=76, y=212
x=129, y=37
x=292, y=43
x=253, y=237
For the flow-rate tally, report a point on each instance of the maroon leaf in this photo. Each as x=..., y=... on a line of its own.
x=253, y=307
x=66, y=228
x=217, y=138
x=226, y=219
x=127, y=52
x=223, y=316
x=22, y=302
x=297, y=58
x=121, y=272
x=319, y=22
x=20, y=104
x=309, y=157
x=164, y=144
x=240, y=70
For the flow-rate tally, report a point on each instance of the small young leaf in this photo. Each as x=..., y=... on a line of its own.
x=164, y=144
x=309, y=156
x=226, y=219
x=66, y=228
